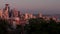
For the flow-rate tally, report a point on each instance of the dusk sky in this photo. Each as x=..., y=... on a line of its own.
x=43, y=6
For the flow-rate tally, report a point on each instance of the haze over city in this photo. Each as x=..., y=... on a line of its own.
x=35, y=6
x=29, y=16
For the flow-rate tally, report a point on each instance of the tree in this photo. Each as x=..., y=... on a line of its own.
x=36, y=24
x=3, y=26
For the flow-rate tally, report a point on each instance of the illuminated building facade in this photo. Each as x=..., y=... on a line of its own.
x=15, y=13
x=1, y=13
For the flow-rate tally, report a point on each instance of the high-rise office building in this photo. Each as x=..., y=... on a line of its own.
x=39, y=15
x=30, y=16
x=7, y=7
x=26, y=15
x=15, y=13
x=11, y=13
x=19, y=14
x=6, y=15
x=1, y=13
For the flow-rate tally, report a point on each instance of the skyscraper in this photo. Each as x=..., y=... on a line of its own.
x=1, y=13
x=6, y=15
x=26, y=15
x=30, y=15
x=6, y=11
x=7, y=7
x=19, y=14
x=39, y=15
x=15, y=13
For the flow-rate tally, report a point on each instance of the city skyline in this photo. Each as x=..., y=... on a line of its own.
x=43, y=6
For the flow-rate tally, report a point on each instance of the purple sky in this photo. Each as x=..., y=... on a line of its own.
x=43, y=6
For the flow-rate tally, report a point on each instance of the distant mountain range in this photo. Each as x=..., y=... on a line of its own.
x=56, y=15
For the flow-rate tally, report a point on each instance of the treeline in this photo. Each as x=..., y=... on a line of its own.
x=41, y=26
x=35, y=26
